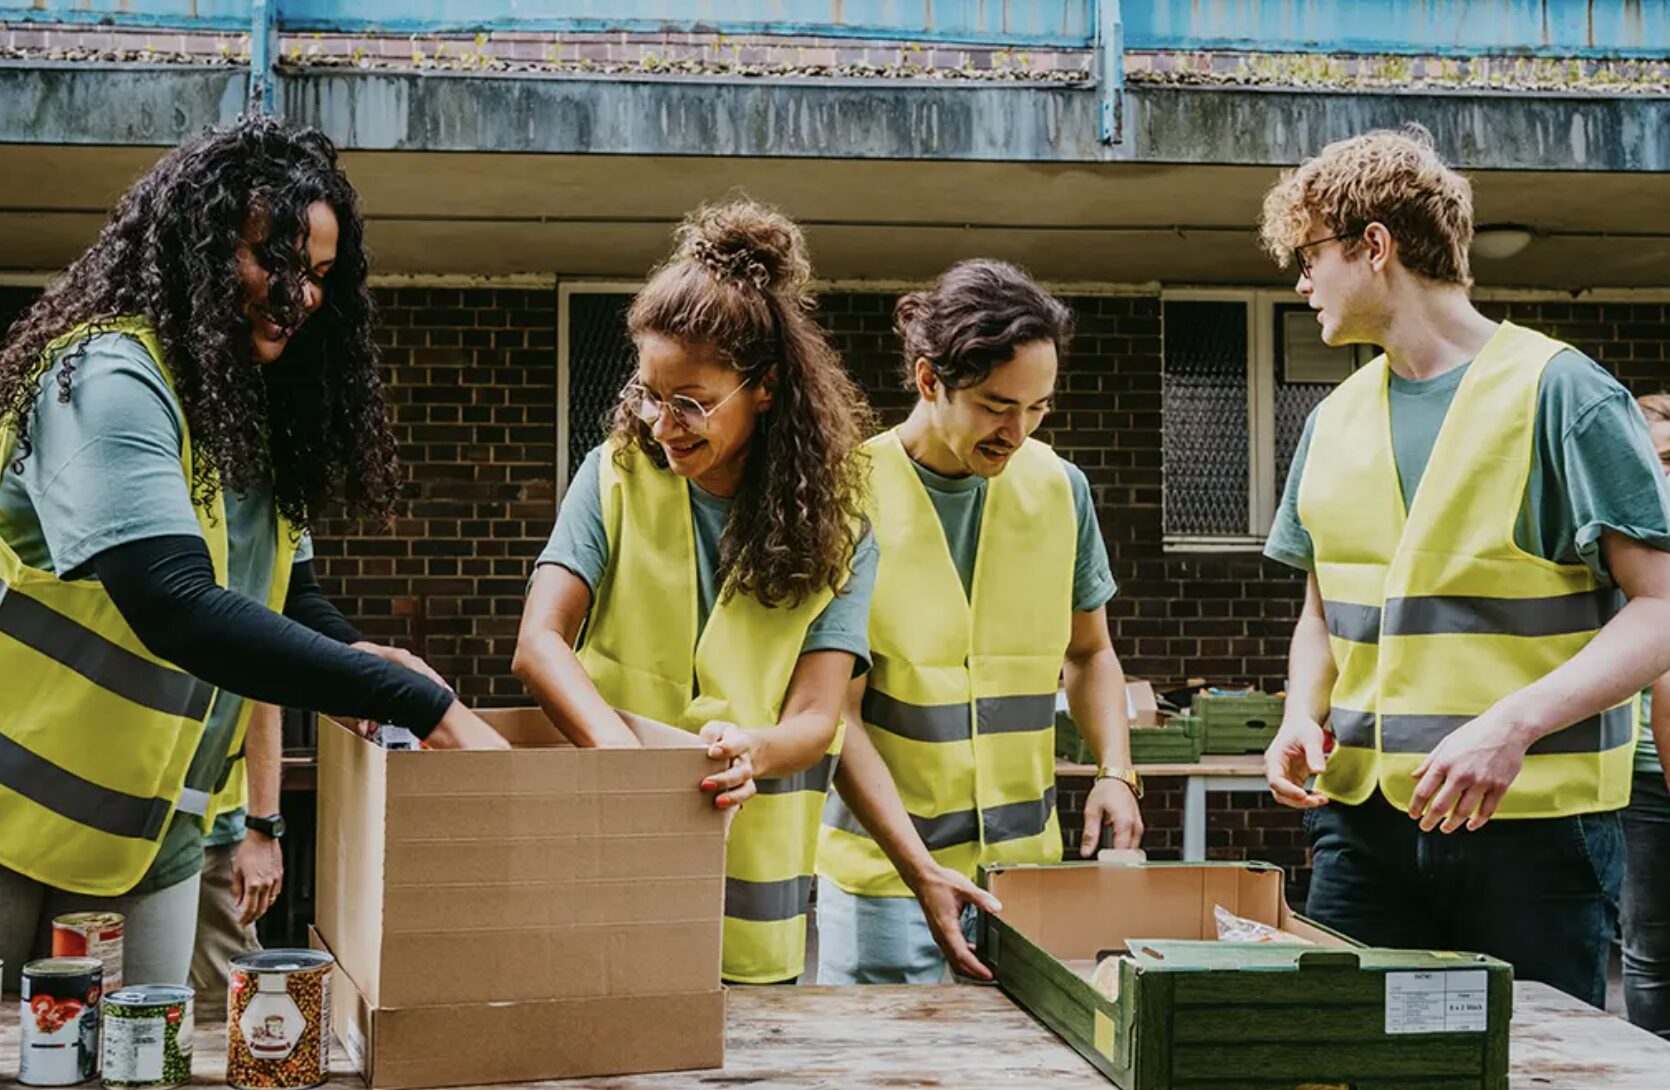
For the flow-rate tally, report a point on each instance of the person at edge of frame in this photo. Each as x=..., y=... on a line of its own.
x=1468, y=508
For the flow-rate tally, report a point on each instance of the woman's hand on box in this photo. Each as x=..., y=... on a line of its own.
x=730, y=743
x=460, y=728
x=943, y=894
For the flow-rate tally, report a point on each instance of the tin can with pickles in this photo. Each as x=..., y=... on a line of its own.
x=147, y=1037
x=278, y=1020
x=60, y=1031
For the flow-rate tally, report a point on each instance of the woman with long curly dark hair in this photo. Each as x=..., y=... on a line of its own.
x=714, y=554
x=173, y=410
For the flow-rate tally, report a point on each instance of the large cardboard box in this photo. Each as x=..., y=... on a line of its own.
x=522, y=915
x=1181, y=1009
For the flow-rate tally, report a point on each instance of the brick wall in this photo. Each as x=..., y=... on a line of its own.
x=473, y=380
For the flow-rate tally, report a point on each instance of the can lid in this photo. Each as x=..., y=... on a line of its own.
x=100, y=920
x=148, y=995
x=283, y=961
x=63, y=966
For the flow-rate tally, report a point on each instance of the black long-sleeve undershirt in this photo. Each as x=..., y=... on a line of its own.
x=166, y=592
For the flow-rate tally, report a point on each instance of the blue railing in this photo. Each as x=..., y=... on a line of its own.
x=1584, y=28
x=1567, y=28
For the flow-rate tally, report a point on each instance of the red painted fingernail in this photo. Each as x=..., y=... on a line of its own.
x=708, y=785
x=722, y=801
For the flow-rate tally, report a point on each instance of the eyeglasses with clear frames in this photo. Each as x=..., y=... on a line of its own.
x=1302, y=259
x=689, y=413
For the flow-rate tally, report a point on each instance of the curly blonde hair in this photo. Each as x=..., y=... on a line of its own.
x=1656, y=407
x=1393, y=177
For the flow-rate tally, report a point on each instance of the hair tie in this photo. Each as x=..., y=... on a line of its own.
x=739, y=266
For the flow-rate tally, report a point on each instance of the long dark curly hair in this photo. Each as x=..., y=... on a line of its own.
x=739, y=281
x=312, y=426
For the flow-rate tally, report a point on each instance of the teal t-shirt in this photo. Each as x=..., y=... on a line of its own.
x=580, y=543
x=960, y=501
x=1593, y=467
x=105, y=471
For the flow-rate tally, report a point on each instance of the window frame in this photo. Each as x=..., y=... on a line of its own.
x=566, y=290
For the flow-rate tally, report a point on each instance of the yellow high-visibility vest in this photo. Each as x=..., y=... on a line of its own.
x=96, y=733
x=641, y=650
x=1436, y=615
x=960, y=700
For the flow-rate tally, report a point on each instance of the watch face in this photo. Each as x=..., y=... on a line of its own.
x=273, y=826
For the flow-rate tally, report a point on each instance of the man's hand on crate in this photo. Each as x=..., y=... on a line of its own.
x=1112, y=804
x=943, y=894
x=1295, y=755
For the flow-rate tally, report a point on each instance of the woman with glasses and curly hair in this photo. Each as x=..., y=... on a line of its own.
x=711, y=567
x=173, y=411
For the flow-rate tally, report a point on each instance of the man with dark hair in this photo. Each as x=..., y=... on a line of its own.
x=993, y=576
x=1467, y=507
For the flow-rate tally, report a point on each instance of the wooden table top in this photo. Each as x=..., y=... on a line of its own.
x=884, y=1038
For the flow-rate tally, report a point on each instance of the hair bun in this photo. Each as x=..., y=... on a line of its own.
x=745, y=242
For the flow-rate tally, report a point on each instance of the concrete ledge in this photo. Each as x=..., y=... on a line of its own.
x=845, y=119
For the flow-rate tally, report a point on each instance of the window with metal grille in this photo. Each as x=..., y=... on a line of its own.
x=596, y=361
x=1205, y=400
x=1243, y=370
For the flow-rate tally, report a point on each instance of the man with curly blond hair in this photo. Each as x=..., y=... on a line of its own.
x=1468, y=508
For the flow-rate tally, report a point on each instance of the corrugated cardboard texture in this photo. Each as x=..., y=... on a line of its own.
x=1076, y=912
x=544, y=873
x=463, y=1043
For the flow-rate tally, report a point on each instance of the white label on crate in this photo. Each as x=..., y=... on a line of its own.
x=1445, y=1002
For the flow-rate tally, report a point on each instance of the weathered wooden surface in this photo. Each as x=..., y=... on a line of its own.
x=960, y=1036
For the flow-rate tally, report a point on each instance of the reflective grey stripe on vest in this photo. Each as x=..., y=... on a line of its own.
x=949, y=722
x=764, y=902
x=1012, y=714
x=817, y=778
x=943, y=831
x=1352, y=728
x=1019, y=820
x=1347, y=621
x=1530, y=617
x=112, y=668
x=1011, y=821
x=81, y=801
x=918, y=722
x=1598, y=733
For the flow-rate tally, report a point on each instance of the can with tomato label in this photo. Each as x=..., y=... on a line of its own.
x=92, y=935
x=147, y=1037
x=60, y=1035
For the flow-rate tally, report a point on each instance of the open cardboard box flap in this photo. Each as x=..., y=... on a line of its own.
x=1076, y=911
x=546, y=873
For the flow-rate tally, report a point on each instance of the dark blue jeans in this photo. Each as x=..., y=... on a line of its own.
x=1647, y=905
x=1540, y=894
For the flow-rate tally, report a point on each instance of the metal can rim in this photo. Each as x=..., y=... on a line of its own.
x=62, y=966
x=74, y=919
x=283, y=961
x=150, y=995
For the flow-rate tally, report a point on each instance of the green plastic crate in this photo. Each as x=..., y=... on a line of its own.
x=1238, y=723
x=1193, y=1013
x=1177, y=742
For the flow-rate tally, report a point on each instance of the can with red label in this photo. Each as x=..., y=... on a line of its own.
x=60, y=1036
x=92, y=935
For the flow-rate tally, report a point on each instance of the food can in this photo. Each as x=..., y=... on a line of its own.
x=278, y=1016
x=92, y=935
x=60, y=1033
x=147, y=1036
